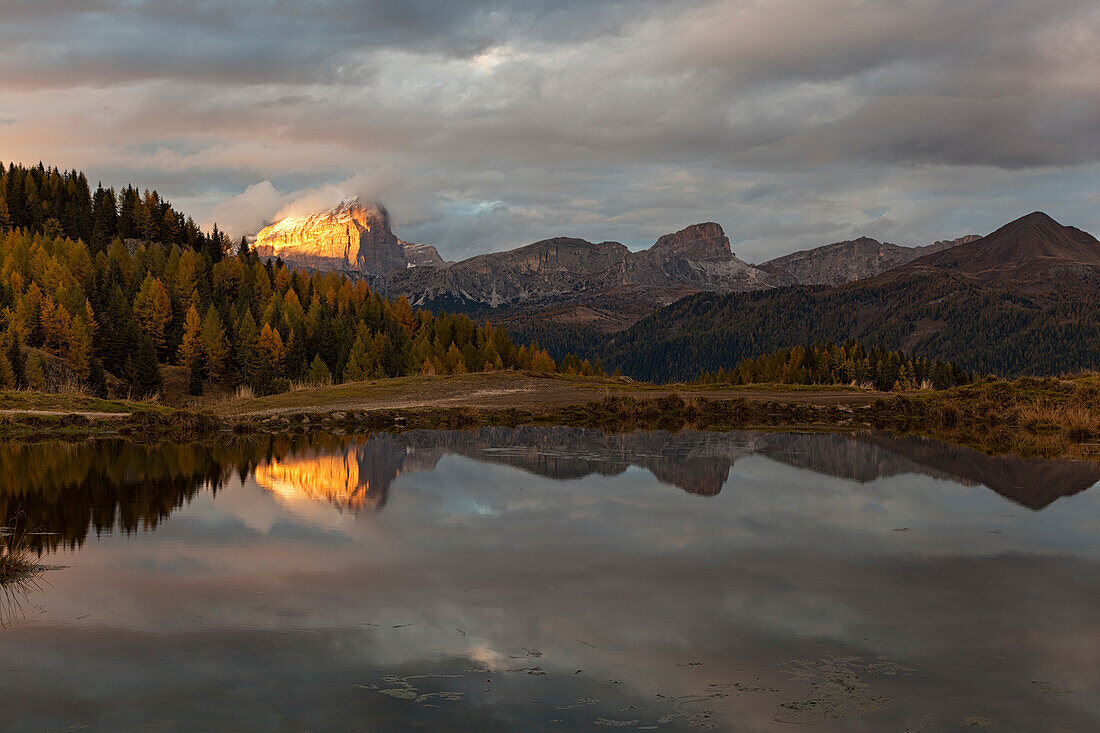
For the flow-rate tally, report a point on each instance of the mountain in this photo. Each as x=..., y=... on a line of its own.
x=1022, y=300
x=348, y=237
x=567, y=280
x=563, y=281
x=856, y=259
x=694, y=259
x=1031, y=249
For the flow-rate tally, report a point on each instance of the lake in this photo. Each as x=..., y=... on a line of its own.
x=551, y=579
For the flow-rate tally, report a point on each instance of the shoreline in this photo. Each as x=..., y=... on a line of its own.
x=1028, y=417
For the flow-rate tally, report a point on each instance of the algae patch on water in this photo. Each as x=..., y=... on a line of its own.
x=838, y=692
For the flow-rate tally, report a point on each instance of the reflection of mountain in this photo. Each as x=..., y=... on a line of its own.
x=350, y=479
x=1034, y=483
x=700, y=462
x=1031, y=482
x=696, y=462
x=53, y=494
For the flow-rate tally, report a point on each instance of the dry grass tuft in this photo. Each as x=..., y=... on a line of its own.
x=1076, y=421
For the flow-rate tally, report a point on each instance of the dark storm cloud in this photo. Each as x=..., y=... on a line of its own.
x=106, y=43
x=489, y=123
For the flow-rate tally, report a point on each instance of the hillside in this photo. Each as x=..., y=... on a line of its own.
x=856, y=259
x=1033, y=250
x=1024, y=299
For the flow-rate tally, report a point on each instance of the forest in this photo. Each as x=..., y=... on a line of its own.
x=847, y=363
x=1007, y=330
x=112, y=286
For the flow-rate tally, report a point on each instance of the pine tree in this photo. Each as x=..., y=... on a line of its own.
x=7, y=374
x=34, y=373
x=319, y=373
x=358, y=366
x=15, y=358
x=266, y=360
x=145, y=380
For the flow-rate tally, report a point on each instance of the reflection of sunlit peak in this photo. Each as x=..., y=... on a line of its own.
x=332, y=479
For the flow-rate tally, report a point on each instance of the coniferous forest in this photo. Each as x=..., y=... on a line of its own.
x=108, y=286
x=847, y=363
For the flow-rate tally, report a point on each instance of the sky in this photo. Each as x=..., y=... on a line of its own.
x=487, y=124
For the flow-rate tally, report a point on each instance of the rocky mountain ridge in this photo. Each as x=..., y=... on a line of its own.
x=1021, y=300
x=855, y=259
x=695, y=259
x=1032, y=248
x=598, y=287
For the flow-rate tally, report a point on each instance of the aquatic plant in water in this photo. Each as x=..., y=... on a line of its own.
x=19, y=573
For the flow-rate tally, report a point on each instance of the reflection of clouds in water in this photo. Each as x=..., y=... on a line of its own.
x=473, y=564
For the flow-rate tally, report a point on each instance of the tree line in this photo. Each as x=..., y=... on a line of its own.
x=60, y=203
x=76, y=288
x=847, y=363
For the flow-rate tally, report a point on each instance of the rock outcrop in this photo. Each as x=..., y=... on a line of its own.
x=694, y=259
x=349, y=237
x=421, y=255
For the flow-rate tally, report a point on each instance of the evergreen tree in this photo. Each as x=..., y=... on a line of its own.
x=146, y=379
x=15, y=359
x=153, y=310
x=319, y=373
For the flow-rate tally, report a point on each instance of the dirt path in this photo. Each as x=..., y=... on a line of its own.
x=507, y=390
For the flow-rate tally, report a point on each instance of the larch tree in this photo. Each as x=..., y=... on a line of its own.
x=153, y=310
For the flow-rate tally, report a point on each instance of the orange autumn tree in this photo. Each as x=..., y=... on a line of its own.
x=153, y=310
x=119, y=283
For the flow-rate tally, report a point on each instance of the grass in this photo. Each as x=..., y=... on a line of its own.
x=1028, y=416
x=69, y=402
x=568, y=388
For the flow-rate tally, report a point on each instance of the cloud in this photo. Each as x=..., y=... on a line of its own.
x=488, y=124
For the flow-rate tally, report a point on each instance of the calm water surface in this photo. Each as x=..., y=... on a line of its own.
x=552, y=579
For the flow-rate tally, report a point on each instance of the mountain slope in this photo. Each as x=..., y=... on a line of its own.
x=1025, y=299
x=856, y=259
x=1032, y=248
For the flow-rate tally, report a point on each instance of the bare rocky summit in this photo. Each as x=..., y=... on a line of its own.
x=694, y=259
x=349, y=237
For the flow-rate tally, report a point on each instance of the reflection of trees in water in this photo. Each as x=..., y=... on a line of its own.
x=54, y=494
